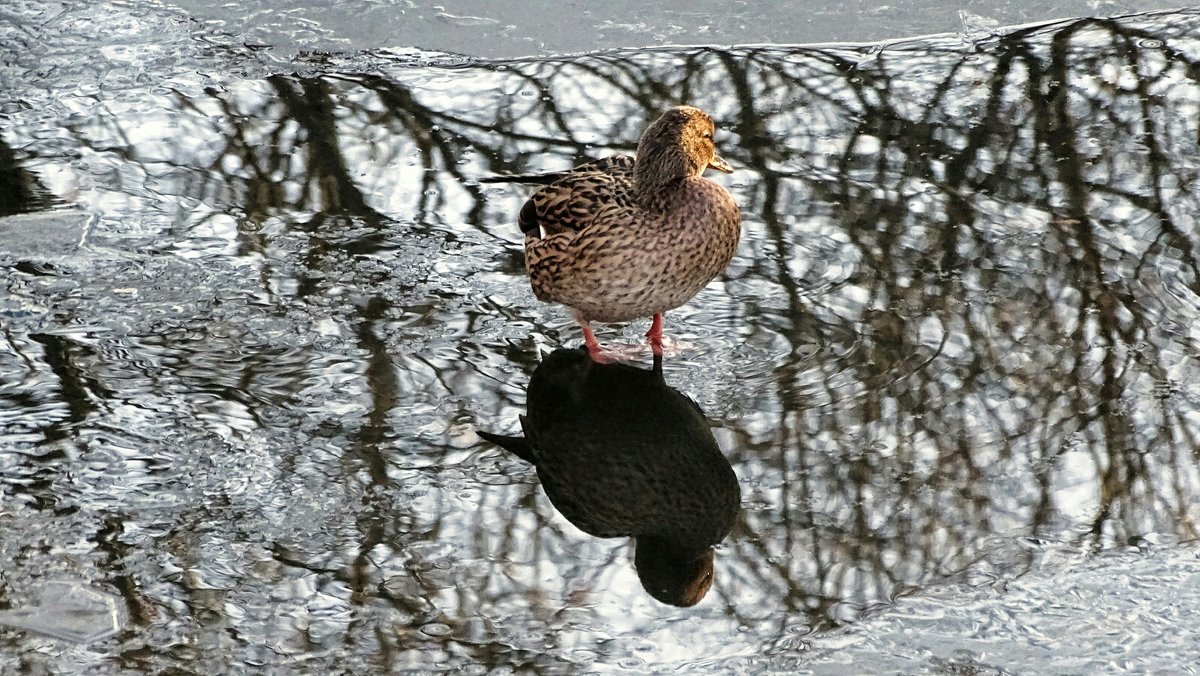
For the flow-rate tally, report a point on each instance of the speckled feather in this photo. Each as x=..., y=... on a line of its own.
x=623, y=238
x=569, y=204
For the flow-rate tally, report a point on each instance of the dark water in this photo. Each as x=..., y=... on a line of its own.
x=253, y=313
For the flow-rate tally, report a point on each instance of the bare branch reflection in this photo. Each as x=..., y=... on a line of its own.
x=964, y=313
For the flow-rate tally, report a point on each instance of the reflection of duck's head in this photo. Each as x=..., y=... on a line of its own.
x=621, y=454
x=679, y=576
x=677, y=145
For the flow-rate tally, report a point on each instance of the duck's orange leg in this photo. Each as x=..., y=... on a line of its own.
x=595, y=351
x=655, y=335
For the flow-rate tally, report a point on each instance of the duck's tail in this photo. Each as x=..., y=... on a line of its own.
x=528, y=218
x=531, y=179
x=518, y=446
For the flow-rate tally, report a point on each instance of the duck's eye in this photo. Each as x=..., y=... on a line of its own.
x=707, y=134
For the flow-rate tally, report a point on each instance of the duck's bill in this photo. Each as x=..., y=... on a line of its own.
x=720, y=165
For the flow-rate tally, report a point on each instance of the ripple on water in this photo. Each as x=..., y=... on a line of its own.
x=240, y=382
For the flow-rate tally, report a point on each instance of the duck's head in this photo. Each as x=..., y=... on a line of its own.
x=673, y=575
x=678, y=145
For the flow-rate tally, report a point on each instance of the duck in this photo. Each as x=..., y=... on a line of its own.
x=625, y=238
x=620, y=453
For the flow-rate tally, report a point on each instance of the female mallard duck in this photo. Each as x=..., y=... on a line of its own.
x=622, y=454
x=623, y=238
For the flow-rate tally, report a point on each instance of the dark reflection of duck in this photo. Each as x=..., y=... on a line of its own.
x=620, y=453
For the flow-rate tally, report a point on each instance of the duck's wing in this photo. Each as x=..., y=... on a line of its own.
x=572, y=243
x=572, y=201
x=609, y=165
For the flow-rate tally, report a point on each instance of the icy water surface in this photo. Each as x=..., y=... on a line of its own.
x=253, y=314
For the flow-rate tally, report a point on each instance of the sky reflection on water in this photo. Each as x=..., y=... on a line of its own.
x=959, y=343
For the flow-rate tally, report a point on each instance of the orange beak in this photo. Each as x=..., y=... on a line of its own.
x=720, y=165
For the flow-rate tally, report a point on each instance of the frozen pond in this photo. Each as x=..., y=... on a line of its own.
x=253, y=312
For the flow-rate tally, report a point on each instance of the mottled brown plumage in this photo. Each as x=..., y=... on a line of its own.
x=623, y=238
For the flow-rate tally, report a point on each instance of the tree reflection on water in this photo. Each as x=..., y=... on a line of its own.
x=966, y=303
